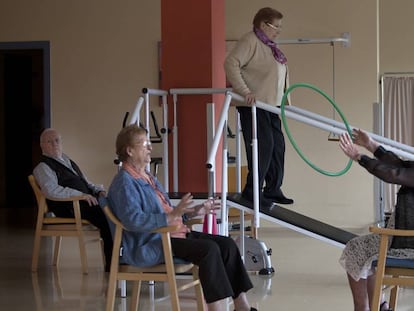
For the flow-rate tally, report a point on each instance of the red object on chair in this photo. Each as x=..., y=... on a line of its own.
x=210, y=223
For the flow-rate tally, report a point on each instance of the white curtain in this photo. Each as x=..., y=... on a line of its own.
x=398, y=101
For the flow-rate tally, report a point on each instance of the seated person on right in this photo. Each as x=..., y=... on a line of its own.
x=361, y=251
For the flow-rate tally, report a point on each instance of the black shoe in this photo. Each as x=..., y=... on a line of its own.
x=263, y=202
x=281, y=199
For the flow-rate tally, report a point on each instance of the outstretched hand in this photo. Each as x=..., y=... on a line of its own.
x=182, y=208
x=186, y=207
x=360, y=137
x=207, y=207
x=348, y=147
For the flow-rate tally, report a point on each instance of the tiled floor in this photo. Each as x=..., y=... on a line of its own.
x=307, y=277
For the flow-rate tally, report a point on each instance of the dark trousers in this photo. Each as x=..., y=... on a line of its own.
x=271, y=150
x=221, y=270
x=96, y=216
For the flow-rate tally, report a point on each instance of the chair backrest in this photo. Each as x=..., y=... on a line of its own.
x=112, y=217
x=42, y=203
x=117, y=236
x=40, y=197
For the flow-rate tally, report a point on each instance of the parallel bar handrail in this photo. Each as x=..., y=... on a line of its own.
x=198, y=91
x=185, y=91
x=301, y=115
x=329, y=128
x=154, y=92
x=345, y=40
x=135, y=114
x=341, y=125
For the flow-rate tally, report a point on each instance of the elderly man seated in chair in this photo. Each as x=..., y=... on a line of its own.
x=60, y=177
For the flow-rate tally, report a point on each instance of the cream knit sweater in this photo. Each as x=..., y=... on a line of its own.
x=251, y=68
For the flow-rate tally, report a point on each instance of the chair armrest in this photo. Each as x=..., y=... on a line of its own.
x=69, y=199
x=166, y=229
x=115, y=220
x=75, y=204
x=391, y=232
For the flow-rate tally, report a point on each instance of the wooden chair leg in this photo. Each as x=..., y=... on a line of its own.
x=376, y=300
x=57, y=284
x=394, y=297
x=379, y=275
x=110, y=296
x=36, y=251
x=56, y=250
x=36, y=292
x=136, y=290
x=82, y=250
x=172, y=284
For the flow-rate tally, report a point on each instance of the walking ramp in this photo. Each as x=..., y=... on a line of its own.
x=295, y=221
x=286, y=218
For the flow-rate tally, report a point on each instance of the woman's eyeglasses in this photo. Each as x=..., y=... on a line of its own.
x=273, y=26
x=145, y=143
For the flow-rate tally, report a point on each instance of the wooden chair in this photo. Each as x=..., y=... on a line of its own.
x=390, y=271
x=58, y=227
x=163, y=272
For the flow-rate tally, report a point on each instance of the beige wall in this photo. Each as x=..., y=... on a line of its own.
x=102, y=55
x=104, y=52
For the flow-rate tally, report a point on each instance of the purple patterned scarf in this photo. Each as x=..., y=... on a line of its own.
x=277, y=53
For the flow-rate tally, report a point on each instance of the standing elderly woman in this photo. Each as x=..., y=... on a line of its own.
x=141, y=204
x=359, y=253
x=257, y=69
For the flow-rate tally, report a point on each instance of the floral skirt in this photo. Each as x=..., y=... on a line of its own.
x=361, y=251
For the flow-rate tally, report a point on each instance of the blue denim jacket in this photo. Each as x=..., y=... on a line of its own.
x=135, y=203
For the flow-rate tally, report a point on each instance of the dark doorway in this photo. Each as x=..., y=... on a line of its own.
x=24, y=112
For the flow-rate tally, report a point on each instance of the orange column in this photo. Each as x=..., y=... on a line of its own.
x=192, y=56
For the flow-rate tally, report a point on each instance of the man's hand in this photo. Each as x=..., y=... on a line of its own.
x=91, y=200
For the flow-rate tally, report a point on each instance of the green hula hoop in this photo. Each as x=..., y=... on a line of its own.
x=293, y=142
